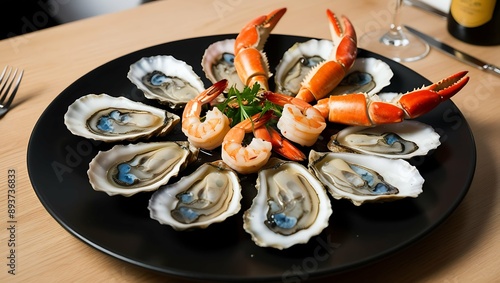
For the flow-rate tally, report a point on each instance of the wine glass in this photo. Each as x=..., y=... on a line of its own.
x=395, y=43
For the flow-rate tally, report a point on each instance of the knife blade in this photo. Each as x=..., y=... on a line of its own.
x=426, y=7
x=460, y=55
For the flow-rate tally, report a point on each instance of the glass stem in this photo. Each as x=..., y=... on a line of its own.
x=395, y=35
x=395, y=25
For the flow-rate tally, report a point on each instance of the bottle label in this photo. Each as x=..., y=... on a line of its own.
x=472, y=13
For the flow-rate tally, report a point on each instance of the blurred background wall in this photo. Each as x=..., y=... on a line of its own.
x=19, y=17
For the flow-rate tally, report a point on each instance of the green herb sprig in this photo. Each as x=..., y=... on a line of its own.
x=239, y=106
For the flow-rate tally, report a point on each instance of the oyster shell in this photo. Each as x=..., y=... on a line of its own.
x=298, y=61
x=365, y=178
x=401, y=140
x=133, y=168
x=106, y=118
x=367, y=75
x=218, y=63
x=291, y=206
x=166, y=79
x=208, y=195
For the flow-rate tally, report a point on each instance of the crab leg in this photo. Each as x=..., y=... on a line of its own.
x=327, y=75
x=250, y=61
x=360, y=109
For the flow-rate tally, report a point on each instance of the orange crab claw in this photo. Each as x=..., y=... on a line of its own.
x=256, y=32
x=344, y=40
x=280, y=145
x=421, y=101
x=328, y=74
x=250, y=62
x=360, y=109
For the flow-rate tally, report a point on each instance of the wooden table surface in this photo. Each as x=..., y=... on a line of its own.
x=463, y=249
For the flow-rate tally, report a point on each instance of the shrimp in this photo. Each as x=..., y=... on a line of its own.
x=299, y=122
x=209, y=133
x=246, y=159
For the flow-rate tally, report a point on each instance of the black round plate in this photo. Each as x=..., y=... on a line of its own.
x=121, y=227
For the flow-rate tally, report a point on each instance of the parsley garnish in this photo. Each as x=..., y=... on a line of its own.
x=239, y=106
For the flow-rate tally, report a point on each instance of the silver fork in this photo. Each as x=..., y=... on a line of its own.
x=5, y=86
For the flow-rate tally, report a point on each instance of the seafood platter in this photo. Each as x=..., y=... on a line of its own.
x=245, y=142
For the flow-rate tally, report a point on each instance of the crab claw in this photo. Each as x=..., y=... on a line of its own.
x=363, y=110
x=256, y=32
x=327, y=75
x=423, y=100
x=344, y=40
x=280, y=145
x=250, y=62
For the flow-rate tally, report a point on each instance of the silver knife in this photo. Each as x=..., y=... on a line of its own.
x=426, y=7
x=460, y=55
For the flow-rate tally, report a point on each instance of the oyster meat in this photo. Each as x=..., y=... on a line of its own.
x=106, y=118
x=166, y=79
x=365, y=178
x=133, y=168
x=218, y=63
x=367, y=75
x=291, y=206
x=401, y=140
x=298, y=61
x=209, y=195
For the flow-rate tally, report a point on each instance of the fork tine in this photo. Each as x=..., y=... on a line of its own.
x=3, y=73
x=16, y=86
x=5, y=84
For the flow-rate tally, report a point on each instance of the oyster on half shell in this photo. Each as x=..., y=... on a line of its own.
x=367, y=75
x=298, y=61
x=218, y=63
x=401, y=140
x=140, y=167
x=166, y=79
x=208, y=195
x=365, y=178
x=106, y=118
x=291, y=206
